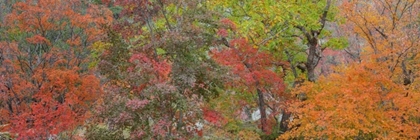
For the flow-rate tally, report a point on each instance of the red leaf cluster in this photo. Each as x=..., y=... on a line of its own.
x=213, y=117
x=250, y=64
x=160, y=68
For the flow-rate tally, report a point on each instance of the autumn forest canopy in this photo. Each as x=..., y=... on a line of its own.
x=209, y=69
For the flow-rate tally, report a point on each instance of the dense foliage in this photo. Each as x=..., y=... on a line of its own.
x=192, y=69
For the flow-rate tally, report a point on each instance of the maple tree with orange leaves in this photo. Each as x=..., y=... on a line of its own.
x=377, y=97
x=46, y=87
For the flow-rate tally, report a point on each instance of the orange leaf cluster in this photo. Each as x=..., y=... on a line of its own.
x=356, y=102
x=377, y=97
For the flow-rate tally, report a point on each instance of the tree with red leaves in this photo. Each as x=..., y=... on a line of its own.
x=255, y=69
x=46, y=86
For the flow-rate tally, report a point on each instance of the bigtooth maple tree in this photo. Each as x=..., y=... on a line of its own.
x=390, y=30
x=377, y=97
x=46, y=87
x=360, y=101
x=254, y=67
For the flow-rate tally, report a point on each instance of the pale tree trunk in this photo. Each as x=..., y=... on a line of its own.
x=313, y=58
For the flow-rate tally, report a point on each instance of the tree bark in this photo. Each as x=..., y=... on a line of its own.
x=263, y=113
x=284, y=122
x=313, y=58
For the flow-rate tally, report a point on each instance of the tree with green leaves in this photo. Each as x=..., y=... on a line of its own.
x=294, y=30
x=289, y=30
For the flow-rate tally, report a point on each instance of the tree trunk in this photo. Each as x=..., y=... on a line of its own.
x=263, y=113
x=313, y=58
x=284, y=122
